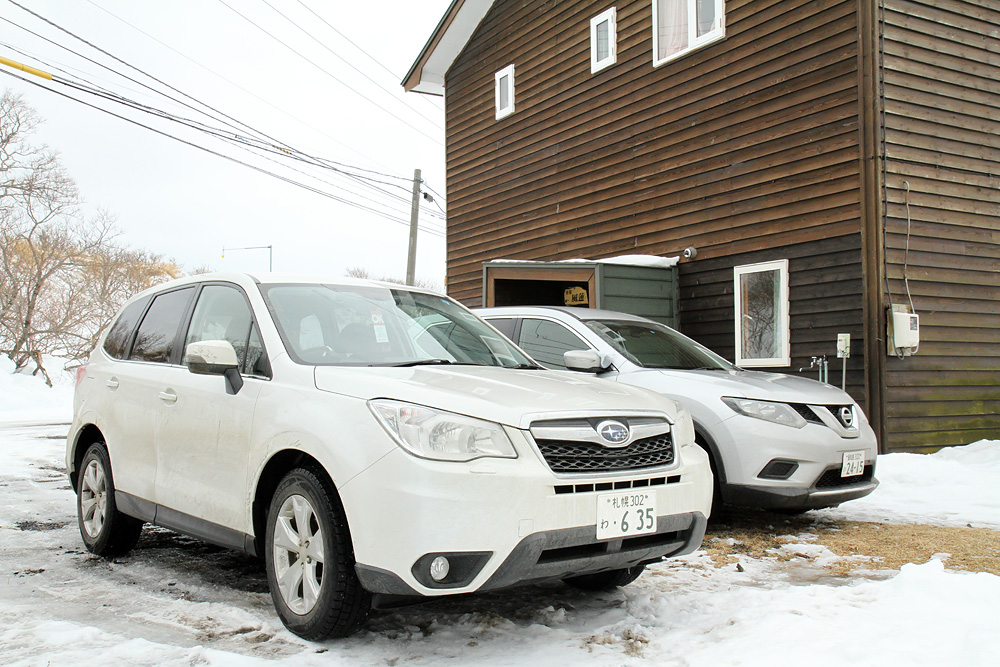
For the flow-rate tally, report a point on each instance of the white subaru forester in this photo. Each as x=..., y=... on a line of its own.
x=373, y=443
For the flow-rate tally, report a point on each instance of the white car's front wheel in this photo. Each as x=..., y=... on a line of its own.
x=310, y=560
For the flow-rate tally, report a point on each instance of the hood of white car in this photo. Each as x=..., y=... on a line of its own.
x=499, y=395
x=746, y=384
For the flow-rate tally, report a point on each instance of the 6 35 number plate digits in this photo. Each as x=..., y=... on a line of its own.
x=625, y=514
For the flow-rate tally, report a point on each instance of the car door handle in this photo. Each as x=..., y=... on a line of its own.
x=168, y=396
x=112, y=383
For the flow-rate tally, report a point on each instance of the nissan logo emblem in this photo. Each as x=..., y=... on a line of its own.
x=847, y=416
x=614, y=433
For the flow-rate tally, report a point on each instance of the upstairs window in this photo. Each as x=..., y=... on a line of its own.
x=603, y=40
x=503, y=91
x=762, y=325
x=681, y=26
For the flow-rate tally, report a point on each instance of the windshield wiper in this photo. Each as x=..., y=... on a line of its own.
x=422, y=362
x=527, y=367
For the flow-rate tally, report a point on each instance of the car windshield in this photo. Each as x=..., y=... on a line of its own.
x=653, y=345
x=357, y=325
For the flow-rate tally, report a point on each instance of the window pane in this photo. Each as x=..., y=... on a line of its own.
x=221, y=314
x=504, y=92
x=256, y=362
x=546, y=342
x=672, y=28
x=603, y=42
x=504, y=325
x=158, y=331
x=120, y=337
x=759, y=298
x=706, y=15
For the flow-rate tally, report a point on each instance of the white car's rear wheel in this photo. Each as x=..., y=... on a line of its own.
x=105, y=530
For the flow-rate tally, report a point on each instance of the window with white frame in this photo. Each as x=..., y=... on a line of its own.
x=680, y=26
x=603, y=40
x=503, y=91
x=762, y=328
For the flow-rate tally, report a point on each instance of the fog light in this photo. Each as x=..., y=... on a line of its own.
x=439, y=568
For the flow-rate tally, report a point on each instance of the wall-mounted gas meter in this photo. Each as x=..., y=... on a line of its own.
x=904, y=331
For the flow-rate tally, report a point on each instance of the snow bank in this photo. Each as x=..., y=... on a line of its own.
x=26, y=398
x=956, y=486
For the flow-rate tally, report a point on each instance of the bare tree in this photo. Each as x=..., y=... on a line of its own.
x=365, y=274
x=61, y=277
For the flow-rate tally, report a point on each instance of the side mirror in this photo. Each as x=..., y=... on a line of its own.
x=585, y=361
x=215, y=357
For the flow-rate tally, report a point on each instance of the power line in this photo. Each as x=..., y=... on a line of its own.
x=329, y=74
x=348, y=63
x=251, y=93
x=283, y=148
x=395, y=76
x=226, y=157
x=225, y=117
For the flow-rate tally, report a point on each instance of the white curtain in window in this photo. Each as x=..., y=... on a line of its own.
x=672, y=28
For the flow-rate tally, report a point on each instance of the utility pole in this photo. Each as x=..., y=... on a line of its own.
x=411, y=257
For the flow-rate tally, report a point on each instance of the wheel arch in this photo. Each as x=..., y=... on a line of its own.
x=271, y=475
x=704, y=440
x=85, y=437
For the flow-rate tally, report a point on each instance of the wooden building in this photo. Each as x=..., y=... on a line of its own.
x=829, y=160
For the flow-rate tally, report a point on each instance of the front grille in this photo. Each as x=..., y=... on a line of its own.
x=831, y=478
x=573, y=456
x=806, y=412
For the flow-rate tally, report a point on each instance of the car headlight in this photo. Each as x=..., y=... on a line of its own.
x=440, y=435
x=779, y=413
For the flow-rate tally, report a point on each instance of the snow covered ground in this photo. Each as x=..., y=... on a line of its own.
x=175, y=601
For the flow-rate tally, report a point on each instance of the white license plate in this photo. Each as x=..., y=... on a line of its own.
x=854, y=464
x=625, y=514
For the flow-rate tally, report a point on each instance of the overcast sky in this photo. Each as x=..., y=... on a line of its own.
x=187, y=204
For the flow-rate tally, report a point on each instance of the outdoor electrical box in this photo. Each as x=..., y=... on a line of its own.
x=904, y=331
x=844, y=346
x=614, y=284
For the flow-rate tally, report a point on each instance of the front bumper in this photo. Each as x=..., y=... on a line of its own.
x=503, y=522
x=811, y=498
x=558, y=554
x=747, y=446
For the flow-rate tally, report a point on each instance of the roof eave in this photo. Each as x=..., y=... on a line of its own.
x=453, y=31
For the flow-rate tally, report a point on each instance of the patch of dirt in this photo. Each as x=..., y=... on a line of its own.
x=40, y=525
x=886, y=546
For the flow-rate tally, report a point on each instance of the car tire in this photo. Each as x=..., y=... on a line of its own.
x=105, y=531
x=606, y=581
x=310, y=560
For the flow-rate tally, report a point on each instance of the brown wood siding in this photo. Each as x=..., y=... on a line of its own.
x=746, y=149
x=942, y=141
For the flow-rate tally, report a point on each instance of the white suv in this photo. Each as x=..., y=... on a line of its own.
x=373, y=443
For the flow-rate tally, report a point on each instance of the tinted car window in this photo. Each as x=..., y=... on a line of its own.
x=504, y=325
x=256, y=362
x=120, y=337
x=546, y=341
x=157, y=334
x=222, y=313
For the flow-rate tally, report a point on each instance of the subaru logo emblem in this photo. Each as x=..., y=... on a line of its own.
x=614, y=433
x=847, y=416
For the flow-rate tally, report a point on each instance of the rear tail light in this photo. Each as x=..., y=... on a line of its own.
x=80, y=372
